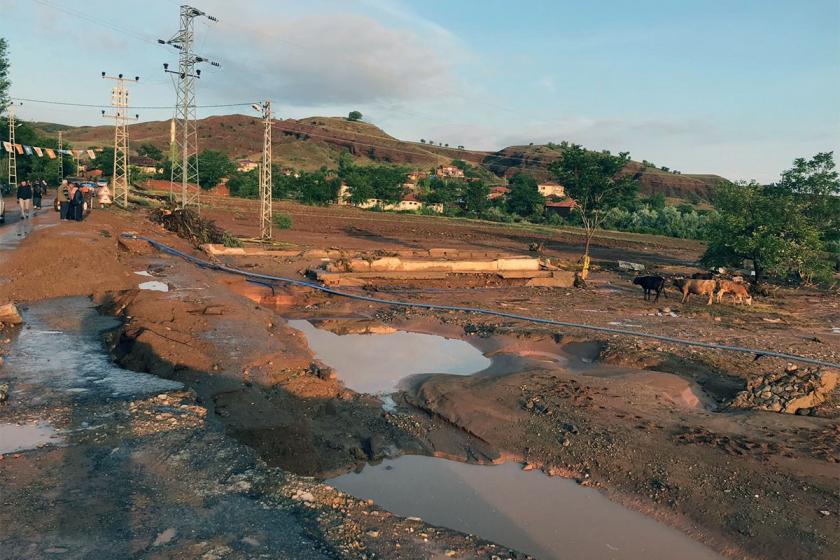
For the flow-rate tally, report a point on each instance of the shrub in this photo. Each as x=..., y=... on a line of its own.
x=281, y=220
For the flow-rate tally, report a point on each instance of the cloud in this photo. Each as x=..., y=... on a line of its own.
x=335, y=58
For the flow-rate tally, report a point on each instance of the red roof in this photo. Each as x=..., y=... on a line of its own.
x=410, y=198
x=568, y=203
x=500, y=190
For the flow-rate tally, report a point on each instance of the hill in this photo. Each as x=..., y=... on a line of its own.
x=314, y=142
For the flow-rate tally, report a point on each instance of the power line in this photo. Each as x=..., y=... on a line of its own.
x=161, y=107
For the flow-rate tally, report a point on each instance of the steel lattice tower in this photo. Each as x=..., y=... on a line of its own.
x=265, y=175
x=60, y=157
x=13, y=153
x=185, y=164
x=121, y=177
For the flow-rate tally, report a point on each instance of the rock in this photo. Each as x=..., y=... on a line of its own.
x=373, y=534
x=165, y=537
x=825, y=512
x=4, y=391
x=9, y=314
x=625, y=265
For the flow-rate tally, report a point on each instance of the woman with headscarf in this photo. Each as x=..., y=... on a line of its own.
x=37, y=193
x=62, y=197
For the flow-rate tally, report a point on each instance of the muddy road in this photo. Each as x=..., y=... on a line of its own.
x=280, y=389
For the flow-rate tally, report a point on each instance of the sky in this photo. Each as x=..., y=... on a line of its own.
x=739, y=88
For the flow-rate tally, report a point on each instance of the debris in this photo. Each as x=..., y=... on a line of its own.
x=625, y=265
x=792, y=392
x=4, y=391
x=188, y=224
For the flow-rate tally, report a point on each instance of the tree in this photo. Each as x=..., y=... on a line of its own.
x=212, y=167
x=5, y=83
x=245, y=184
x=524, y=197
x=150, y=151
x=475, y=197
x=593, y=181
x=104, y=162
x=354, y=116
x=422, y=140
x=782, y=228
x=317, y=188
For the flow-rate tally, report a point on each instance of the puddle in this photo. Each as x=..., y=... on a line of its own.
x=375, y=363
x=14, y=437
x=155, y=286
x=549, y=518
x=62, y=349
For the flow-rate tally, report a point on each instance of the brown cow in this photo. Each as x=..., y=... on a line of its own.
x=738, y=290
x=699, y=287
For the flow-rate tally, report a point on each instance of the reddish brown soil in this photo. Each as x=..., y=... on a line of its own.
x=752, y=484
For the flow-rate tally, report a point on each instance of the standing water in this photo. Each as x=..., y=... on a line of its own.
x=375, y=363
x=61, y=347
x=549, y=518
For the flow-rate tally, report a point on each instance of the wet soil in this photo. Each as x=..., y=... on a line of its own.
x=642, y=422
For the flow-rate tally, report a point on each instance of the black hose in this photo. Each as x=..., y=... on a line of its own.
x=315, y=286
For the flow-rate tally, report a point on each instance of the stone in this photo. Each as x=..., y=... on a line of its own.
x=9, y=314
x=165, y=537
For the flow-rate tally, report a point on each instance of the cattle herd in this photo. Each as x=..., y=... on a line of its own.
x=700, y=283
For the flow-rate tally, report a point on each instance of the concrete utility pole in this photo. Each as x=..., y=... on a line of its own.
x=60, y=158
x=266, y=214
x=119, y=99
x=185, y=166
x=13, y=153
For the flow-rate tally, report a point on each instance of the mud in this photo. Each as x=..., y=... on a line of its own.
x=639, y=422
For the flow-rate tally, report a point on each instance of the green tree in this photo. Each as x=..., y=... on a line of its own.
x=245, y=184
x=104, y=162
x=212, y=167
x=354, y=116
x=150, y=151
x=5, y=83
x=524, y=197
x=782, y=228
x=475, y=197
x=593, y=181
x=317, y=188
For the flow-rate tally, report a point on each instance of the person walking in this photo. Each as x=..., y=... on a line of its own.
x=37, y=193
x=76, y=211
x=62, y=195
x=24, y=198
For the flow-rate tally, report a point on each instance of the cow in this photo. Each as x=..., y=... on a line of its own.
x=703, y=276
x=737, y=289
x=694, y=286
x=651, y=284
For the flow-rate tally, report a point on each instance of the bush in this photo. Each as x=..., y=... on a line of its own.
x=281, y=220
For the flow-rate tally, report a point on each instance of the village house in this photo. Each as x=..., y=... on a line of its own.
x=498, y=192
x=562, y=208
x=550, y=189
x=245, y=165
x=143, y=164
x=449, y=171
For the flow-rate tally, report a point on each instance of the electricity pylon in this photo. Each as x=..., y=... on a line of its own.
x=13, y=153
x=60, y=158
x=185, y=165
x=119, y=99
x=265, y=172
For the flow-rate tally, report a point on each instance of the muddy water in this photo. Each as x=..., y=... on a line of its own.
x=549, y=518
x=20, y=437
x=375, y=363
x=60, y=346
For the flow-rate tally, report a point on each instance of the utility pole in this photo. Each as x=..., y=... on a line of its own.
x=60, y=158
x=13, y=153
x=185, y=166
x=119, y=99
x=265, y=172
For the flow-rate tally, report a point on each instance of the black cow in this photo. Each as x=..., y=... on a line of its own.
x=651, y=284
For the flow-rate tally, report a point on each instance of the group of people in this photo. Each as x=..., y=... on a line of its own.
x=72, y=198
x=29, y=196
